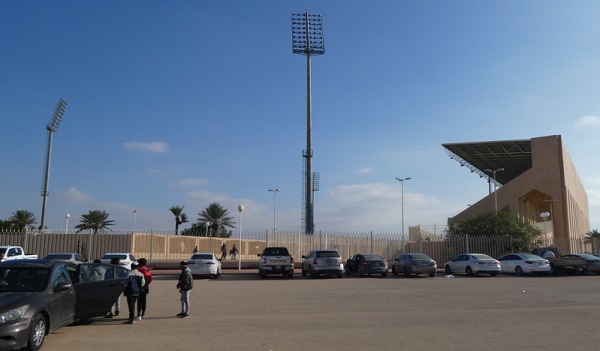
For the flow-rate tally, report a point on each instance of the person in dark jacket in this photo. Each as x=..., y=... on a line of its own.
x=147, y=273
x=135, y=286
x=223, y=251
x=185, y=285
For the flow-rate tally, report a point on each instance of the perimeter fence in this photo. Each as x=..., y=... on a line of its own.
x=161, y=246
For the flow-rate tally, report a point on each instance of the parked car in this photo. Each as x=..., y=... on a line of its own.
x=473, y=263
x=65, y=256
x=524, y=263
x=414, y=263
x=318, y=262
x=205, y=264
x=276, y=260
x=125, y=258
x=37, y=297
x=592, y=263
x=369, y=264
x=559, y=263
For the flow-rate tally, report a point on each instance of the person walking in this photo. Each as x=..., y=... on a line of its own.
x=223, y=251
x=117, y=305
x=185, y=285
x=147, y=273
x=195, y=249
x=133, y=289
x=233, y=252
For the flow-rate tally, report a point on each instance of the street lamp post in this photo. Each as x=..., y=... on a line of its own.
x=495, y=185
x=67, y=216
x=206, y=227
x=401, y=180
x=275, y=191
x=544, y=216
x=240, y=210
x=134, y=219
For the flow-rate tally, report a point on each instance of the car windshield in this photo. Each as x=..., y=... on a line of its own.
x=321, y=254
x=276, y=251
x=419, y=256
x=111, y=256
x=530, y=257
x=202, y=257
x=23, y=279
x=373, y=258
x=482, y=257
x=589, y=257
x=58, y=257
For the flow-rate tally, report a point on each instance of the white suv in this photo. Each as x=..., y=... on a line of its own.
x=319, y=262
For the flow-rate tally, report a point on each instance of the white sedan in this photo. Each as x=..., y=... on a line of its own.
x=524, y=263
x=473, y=263
x=205, y=264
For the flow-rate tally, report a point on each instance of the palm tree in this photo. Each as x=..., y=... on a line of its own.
x=593, y=237
x=180, y=217
x=95, y=220
x=21, y=219
x=219, y=220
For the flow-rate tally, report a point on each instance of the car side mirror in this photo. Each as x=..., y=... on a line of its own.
x=63, y=286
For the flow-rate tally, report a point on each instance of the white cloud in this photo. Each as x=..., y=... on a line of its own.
x=588, y=121
x=159, y=147
x=366, y=170
x=191, y=182
x=76, y=196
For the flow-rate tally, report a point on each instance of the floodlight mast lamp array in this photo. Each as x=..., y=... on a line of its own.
x=51, y=128
x=307, y=39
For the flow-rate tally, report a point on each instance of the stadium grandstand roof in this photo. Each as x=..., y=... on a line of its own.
x=514, y=156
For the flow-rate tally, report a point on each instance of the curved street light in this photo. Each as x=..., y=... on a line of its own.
x=275, y=191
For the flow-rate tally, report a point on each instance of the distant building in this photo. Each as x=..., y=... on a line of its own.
x=535, y=179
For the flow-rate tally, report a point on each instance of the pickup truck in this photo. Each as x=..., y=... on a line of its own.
x=276, y=260
x=559, y=264
x=8, y=253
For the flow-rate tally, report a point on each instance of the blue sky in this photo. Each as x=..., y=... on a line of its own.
x=194, y=102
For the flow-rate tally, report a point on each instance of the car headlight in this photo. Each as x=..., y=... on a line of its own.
x=13, y=314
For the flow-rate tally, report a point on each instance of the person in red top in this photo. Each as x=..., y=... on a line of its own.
x=145, y=270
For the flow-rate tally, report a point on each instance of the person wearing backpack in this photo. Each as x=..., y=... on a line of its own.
x=133, y=289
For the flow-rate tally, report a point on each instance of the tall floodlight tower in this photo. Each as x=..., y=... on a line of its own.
x=51, y=128
x=307, y=39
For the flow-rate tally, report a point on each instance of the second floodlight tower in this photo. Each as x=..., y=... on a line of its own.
x=307, y=40
x=52, y=127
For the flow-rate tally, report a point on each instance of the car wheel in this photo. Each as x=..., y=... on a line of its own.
x=340, y=275
x=383, y=275
x=261, y=274
x=406, y=274
x=37, y=332
x=432, y=274
x=448, y=270
x=394, y=271
x=312, y=273
x=519, y=271
x=553, y=270
x=469, y=271
x=290, y=274
x=361, y=272
x=493, y=274
x=303, y=272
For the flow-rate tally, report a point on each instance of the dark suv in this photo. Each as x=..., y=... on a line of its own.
x=319, y=262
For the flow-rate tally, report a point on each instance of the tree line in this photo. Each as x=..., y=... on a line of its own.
x=212, y=221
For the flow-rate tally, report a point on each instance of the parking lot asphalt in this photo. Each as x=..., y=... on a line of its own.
x=244, y=312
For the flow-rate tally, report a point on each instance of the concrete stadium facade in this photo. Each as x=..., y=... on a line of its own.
x=549, y=183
